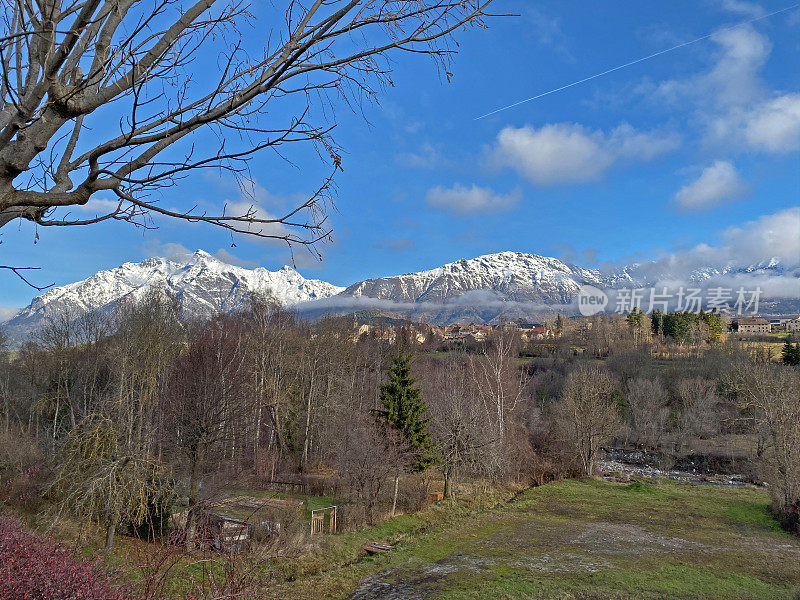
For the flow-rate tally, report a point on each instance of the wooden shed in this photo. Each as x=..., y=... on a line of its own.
x=228, y=534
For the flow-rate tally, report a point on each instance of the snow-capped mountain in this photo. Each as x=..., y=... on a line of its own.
x=518, y=285
x=507, y=284
x=203, y=284
x=515, y=276
x=511, y=285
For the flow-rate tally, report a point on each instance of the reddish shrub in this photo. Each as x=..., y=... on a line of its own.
x=35, y=567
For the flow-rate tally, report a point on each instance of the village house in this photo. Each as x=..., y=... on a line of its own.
x=751, y=325
x=533, y=331
x=785, y=324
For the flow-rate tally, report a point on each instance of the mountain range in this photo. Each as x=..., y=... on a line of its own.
x=507, y=284
x=203, y=284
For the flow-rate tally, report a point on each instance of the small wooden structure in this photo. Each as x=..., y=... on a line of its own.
x=229, y=534
x=435, y=496
x=318, y=519
x=376, y=547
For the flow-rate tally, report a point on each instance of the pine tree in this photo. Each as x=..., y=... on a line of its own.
x=791, y=353
x=657, y=322
x=404, y=409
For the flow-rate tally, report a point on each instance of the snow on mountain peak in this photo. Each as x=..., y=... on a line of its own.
x=481, y=288
x=204, y=284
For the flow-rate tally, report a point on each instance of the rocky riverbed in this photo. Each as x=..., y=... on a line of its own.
x=623, y=465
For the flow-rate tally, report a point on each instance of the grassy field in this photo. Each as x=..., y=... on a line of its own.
x=577, y=539
x=571, y=539
x=282, y=575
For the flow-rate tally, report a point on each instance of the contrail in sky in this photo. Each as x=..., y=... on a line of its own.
x=633, y=62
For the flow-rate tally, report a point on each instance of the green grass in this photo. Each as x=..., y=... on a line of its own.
x=580, y=538
x=752, y=514
x=671, y=581
x=640, y=487
x=317, y=502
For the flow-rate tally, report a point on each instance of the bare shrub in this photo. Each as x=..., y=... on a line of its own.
x=20, y=460
x=648, y=412
x=369, y=458
x=698, y=415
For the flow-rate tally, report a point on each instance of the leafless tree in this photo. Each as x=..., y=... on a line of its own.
x=5, y=388
x=271, y=345
x=203, y=403
x=648, y=410
x=369, y=456
x=586, y=416
x=771, y=391
x=698, y=416
x=57, y=340
x=458, y=422
x=498, y=378
x=148, y=337
x=190, y=90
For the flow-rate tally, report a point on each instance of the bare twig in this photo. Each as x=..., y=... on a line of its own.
x=16, y=271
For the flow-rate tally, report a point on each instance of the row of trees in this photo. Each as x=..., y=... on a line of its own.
x=127, y=415
x=688, y=326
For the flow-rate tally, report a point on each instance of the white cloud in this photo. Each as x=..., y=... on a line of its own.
x=570, y=153
x=556, y=153
x=741, y=7
x=774, y=126
x=732, y=105
x=625, y=142
x=463, y=200
x=547, y=31
x=230, y=258
x=6, y=312
x=426, y=157
x=567, y=252
x=248, y=197
x=754, y=243
x=253, y=210
x=767, y=236
x=717, y=184
x=153, y=248
x=303, y=258
x=98, y=206
x=731, y=80
x=734, y=79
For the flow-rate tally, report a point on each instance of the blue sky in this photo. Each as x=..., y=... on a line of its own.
x=696, y=146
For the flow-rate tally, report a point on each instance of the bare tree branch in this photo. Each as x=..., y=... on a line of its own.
x=66, y=65
x=16, y=271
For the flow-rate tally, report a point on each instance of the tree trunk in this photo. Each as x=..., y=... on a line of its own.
x=304, y=462
x=394, y=498
x=110, y=536
x=55, y=416
x=194, y=494
x=448, y=482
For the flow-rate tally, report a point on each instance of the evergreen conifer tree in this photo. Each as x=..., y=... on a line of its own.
x=404, y=409
x=791, y=353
